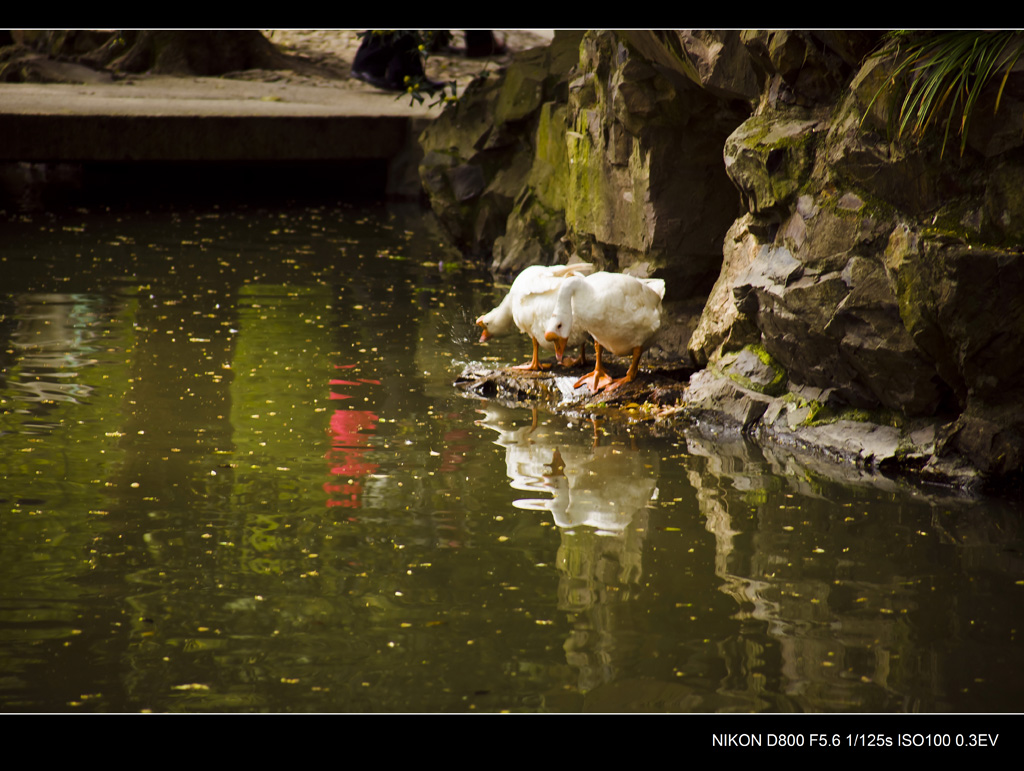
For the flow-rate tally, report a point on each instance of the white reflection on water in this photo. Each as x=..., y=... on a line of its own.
x=599, y=487
x=54, y=338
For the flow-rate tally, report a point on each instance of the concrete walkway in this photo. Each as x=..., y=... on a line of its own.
x=204, y=119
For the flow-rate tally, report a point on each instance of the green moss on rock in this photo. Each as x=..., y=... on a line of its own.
x=739, y=371
x=822, y=414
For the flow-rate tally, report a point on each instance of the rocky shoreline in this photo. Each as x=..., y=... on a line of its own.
x=716, y=407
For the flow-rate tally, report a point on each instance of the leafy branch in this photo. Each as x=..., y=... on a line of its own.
x=426, y=41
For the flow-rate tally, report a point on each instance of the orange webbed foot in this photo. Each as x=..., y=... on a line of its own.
x=630, y=374
x=594, y=380
x=613, y=384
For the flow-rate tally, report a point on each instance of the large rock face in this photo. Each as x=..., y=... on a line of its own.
x=964, y=308
x=884, y=281
x=647, y=191
x=587, y=146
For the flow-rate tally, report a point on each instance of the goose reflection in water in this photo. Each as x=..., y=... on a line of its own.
x=599, y=498
x=605, y=488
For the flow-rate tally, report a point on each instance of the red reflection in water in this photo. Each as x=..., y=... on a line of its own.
x=454, y=453
x=350, y=431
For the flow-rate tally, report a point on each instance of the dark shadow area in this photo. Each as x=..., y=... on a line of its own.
x=41, y=186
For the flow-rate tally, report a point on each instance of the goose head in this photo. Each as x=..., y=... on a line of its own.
x=559, y=326
x=497, y=321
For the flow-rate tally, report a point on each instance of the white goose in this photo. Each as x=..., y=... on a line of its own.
x=621, y=312
x=529, y=303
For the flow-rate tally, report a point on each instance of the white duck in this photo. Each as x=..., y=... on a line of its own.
x=621, y=312
x=529, y=304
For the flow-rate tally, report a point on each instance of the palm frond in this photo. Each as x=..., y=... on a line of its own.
x=946, y=73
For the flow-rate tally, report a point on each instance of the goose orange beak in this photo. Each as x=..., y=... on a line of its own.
x=485, y=335
x=560, y=343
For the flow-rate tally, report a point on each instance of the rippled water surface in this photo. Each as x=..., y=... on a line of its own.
x=236, y=477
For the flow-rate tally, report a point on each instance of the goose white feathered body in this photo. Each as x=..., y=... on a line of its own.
x=529, y=304
x=533, y=301
x=622, y=313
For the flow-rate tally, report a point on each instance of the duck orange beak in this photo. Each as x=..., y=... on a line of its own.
x=485, y=335
x=560, y=343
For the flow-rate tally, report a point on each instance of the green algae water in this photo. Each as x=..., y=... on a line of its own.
x=236, y=477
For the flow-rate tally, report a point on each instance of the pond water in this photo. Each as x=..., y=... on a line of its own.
x=236, y=476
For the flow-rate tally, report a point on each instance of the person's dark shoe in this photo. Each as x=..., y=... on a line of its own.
x=481, y=43
x=375, y=80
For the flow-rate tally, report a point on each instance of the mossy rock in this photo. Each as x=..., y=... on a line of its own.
x=754, y=368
